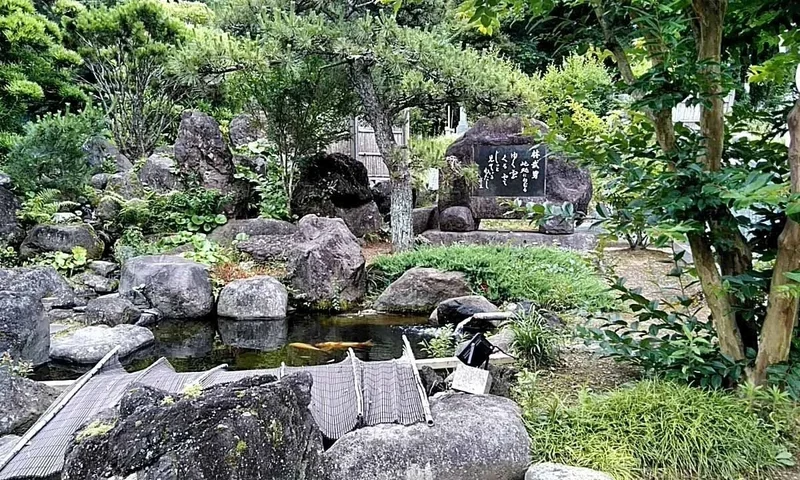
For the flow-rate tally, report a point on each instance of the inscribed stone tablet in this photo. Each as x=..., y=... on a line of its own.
x=510, y=170
x=472, y=380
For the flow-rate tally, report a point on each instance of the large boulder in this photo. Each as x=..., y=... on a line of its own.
x=258, y=428
x=24, y=331
x=61, y=238
x=267, y=248
x=251, y=227
x=244, y=129
x=326, y=266
x=41, y=282
x=88, y=345
x=200, y=150
x=176, y=287
x=474, y=437
x=457, y=219
x=125, y=184
x=361, y=220
x=160, y=173
x=111, y=310
x=97, y=283
x=556, y=471
x=101, y=151
x=564, y=181
x=10, y=231
x=425, y=218
x=259, y=297
x=22, y=401
x=420, y=290
x=454, y=310
x=328, y=182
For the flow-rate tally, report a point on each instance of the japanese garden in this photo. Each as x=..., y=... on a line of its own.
x=399, y=239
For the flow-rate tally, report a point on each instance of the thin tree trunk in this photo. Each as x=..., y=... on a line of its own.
x=722, y=314
x=395, y=158
x=782, y=307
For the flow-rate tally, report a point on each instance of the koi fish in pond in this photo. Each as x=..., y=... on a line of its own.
x=329, y=346
x=304, y=346
x=332, y=346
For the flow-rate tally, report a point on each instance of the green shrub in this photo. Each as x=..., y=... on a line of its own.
x=66, y=263
x=550, y=277
x=442, y=345
x=657, y=430
x=39, y=208
x=51, y=155
x=535, y=343
x=195, y=210
x=666, y=342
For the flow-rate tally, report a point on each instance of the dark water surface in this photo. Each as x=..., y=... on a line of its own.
x=201, y=345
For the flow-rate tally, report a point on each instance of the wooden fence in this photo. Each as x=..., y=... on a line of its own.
x=362, y=146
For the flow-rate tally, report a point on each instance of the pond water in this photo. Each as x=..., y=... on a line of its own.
x=201, y=345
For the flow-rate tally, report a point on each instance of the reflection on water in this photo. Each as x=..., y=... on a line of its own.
x=265, y=335
x=201, y=345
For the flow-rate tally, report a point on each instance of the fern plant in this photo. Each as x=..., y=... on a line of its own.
x=39, y=208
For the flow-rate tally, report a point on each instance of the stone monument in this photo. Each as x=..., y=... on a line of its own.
x=511, y=164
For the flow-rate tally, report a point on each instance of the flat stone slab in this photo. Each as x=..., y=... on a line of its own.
x=556, y=471
x=88, y=345
x=581, y=241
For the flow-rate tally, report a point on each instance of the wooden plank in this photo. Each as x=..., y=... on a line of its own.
x=453, y=362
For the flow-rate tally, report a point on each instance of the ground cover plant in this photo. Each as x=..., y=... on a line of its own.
x=662, y=430
x=550, y=277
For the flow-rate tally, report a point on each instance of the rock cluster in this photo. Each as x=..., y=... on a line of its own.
x=335, y=185
x=257, y=428
x=565, y=181
x=420, y=290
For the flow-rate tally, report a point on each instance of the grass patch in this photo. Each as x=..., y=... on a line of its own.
x=660, y=430
x=535, y=343
x=550, y=277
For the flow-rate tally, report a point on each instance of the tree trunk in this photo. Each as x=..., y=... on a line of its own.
x=782, y=308
x=722, y=314
x=395, y=158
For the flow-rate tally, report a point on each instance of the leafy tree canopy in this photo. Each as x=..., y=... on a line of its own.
x=36, y=71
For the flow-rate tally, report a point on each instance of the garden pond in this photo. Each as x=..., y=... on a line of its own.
x=300, y=339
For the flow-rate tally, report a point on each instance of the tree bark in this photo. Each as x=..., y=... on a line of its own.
x=782, y=308
x=710, y=15
x=722, y=314
x=395, y=158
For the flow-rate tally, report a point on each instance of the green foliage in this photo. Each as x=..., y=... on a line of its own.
x=39, y=208
x=535, y=343
x=66, y=263
x=581, y=85
x=194, y=210
x=659, y=430
x=427, y=153
x=269, y=187
x=786, y=375
x=19, y=368
x=36, y=72
x=666, y=342
x=200, y=249
x=127, y=48
x=8, y=256
x=550, y=277
x=442, y=345
x=51, y=153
